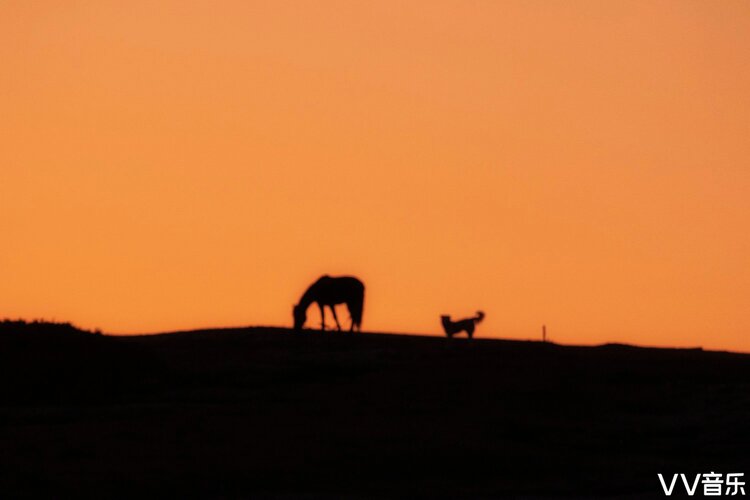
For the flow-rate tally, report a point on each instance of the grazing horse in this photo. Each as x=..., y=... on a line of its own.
x=329, y=291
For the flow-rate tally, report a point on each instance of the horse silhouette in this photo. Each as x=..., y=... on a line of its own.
x=329, y=291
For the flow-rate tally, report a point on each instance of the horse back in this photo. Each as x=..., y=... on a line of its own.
x=336, y=290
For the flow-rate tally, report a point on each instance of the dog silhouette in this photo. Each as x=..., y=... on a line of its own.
x=463, y=325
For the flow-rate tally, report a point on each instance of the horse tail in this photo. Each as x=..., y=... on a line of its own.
x=479, y=317
x=358, y=306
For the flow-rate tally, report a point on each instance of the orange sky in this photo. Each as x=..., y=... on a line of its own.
x=181, y=164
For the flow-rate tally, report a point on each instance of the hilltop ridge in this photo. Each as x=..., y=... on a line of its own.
x=268, y=412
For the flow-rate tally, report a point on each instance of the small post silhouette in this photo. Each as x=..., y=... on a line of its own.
x=544, y=333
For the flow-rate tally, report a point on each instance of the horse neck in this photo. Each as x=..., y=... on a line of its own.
x=308, y=297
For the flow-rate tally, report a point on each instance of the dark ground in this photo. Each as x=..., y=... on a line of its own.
x=263, y=412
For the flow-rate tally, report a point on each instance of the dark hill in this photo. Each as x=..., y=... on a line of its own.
x=264, y=412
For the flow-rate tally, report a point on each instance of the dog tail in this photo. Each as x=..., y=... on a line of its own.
x=479, y=317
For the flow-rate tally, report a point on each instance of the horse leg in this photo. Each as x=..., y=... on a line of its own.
x=349, y=308
x=322, y=316
x=333, y=310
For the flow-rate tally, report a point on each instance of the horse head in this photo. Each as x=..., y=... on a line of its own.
x=299, y=314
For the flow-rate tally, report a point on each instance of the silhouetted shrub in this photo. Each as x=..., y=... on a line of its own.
x=40, y=326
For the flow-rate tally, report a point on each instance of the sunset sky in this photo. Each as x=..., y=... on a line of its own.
x=183, y=164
